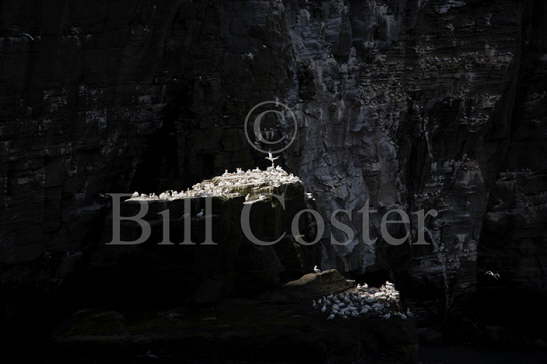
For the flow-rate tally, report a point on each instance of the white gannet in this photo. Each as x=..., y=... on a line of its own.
x=272, y=159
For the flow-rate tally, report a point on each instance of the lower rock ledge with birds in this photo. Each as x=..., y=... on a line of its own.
x=280, y=326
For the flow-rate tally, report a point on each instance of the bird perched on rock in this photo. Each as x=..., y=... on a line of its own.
x=272, y=159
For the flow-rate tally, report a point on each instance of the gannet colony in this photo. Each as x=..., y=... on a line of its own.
x=382, y=303
x=254, y=184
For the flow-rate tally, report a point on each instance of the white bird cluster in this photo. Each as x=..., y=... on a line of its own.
x=380, y=303
x=253, y=184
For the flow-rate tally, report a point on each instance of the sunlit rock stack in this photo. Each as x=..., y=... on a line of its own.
x=205, y=271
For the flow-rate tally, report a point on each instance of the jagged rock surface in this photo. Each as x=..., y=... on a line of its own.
x=418, y=104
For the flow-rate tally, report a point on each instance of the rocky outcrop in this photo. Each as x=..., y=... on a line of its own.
x=224, y=237
x=241, y=331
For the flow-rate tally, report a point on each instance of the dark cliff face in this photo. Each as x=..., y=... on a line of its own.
x=412, y=104
x=513, y=238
